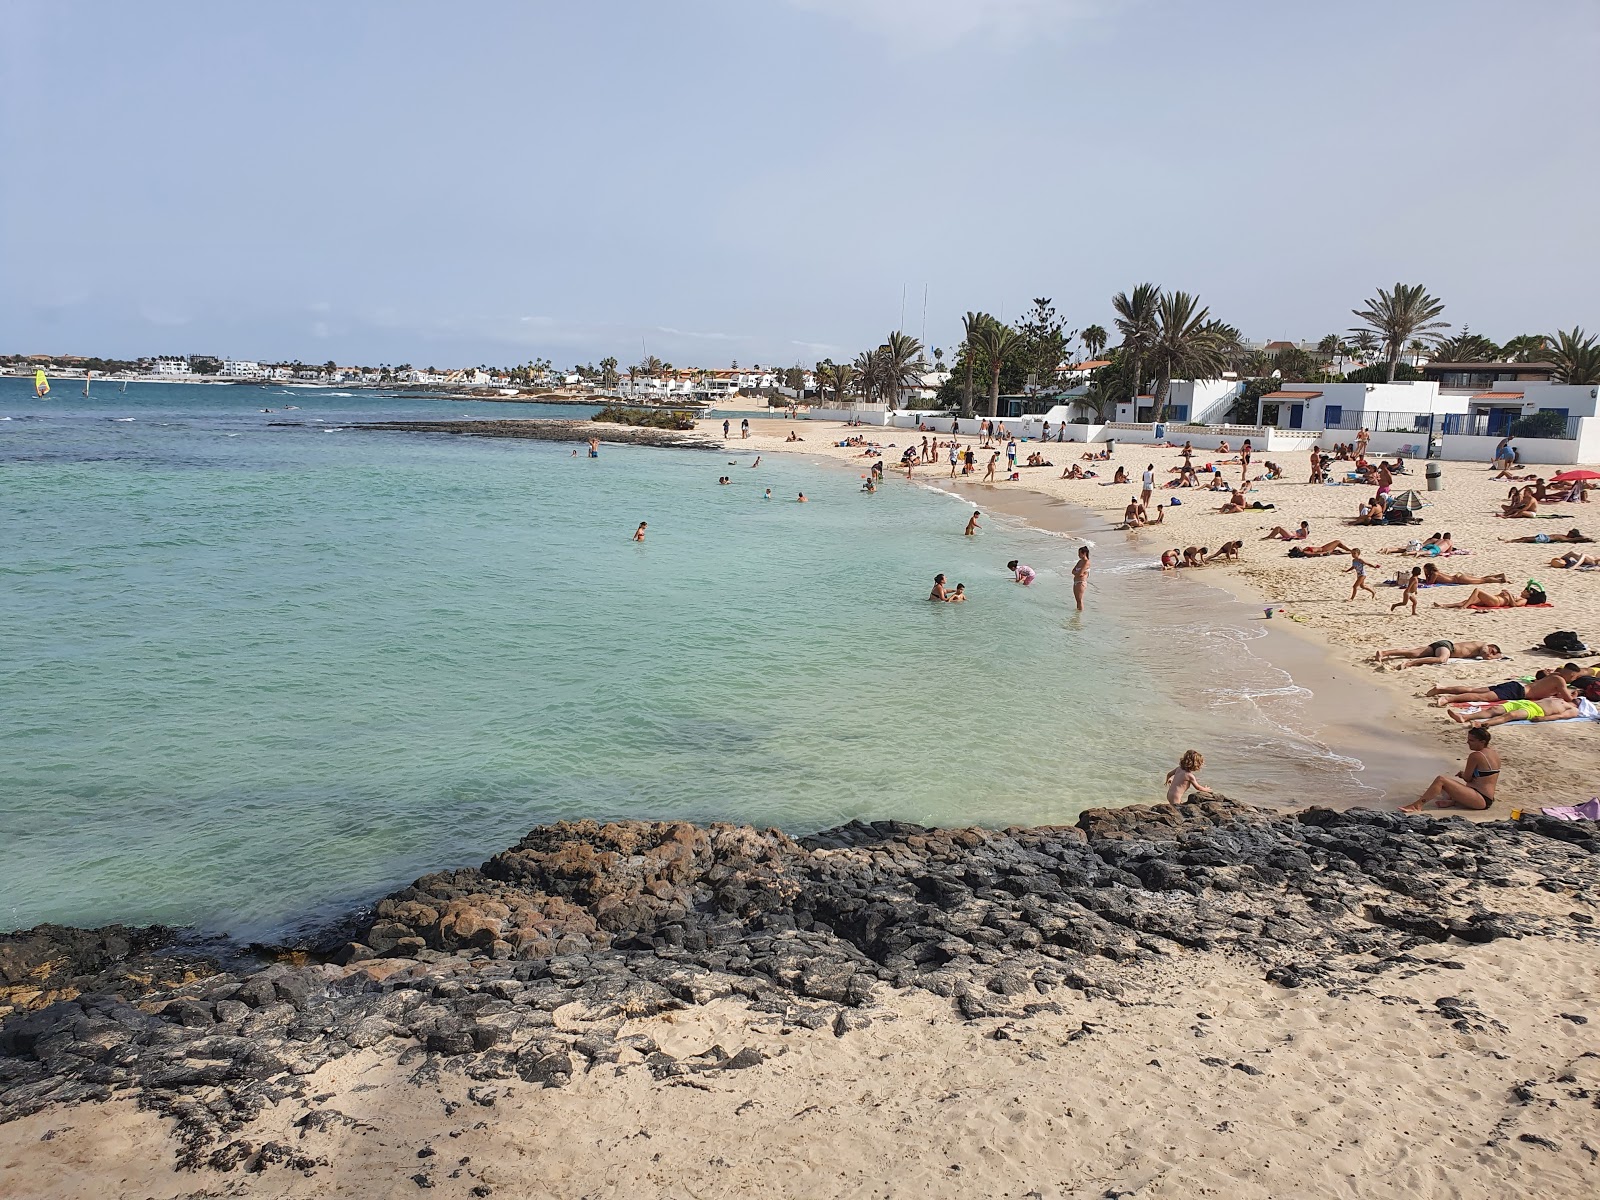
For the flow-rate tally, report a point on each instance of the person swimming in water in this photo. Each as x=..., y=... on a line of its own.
x=939, y=593
x=638, y=534
x=959, y=596
x=1025, y=575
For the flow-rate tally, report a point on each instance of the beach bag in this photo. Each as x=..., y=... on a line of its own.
x=1564, y=641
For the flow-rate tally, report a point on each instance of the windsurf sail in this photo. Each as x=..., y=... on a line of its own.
x=41, y=385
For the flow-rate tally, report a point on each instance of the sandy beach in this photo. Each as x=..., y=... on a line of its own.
x=1401, y=1009
x=1544, y=763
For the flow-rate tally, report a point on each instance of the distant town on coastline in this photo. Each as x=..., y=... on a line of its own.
x=1400, y=368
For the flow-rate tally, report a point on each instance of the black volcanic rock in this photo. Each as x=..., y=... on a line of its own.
x=610, y=921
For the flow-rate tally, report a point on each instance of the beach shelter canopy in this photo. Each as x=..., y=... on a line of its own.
x=1407, y=500
x=1575, y=475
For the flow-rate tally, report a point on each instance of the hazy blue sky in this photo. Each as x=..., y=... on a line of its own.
x=759, y=179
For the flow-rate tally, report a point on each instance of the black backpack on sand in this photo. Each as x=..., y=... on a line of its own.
x=1564, y=641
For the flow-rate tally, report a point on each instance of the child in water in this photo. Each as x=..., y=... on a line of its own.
x=1186, y=775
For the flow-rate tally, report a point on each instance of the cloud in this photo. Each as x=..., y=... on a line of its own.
x=707, y=337
x=941, y=24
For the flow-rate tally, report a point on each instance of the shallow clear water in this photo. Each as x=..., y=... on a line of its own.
x=253, y=673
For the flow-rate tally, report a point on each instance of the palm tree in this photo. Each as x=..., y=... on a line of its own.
x=1526, y=347
x=869, y=375
x=1136, y=321
x=1094, y=340
x=1186, y=344
x=1576, y=356
x=1365, y=343
x=844, y=378
x=971, y=325
x=1397, y=317
x=1467, y=347
x=902, y=364
x=998, y=342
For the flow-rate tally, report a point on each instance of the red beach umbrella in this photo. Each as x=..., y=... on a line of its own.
x=1574, y=476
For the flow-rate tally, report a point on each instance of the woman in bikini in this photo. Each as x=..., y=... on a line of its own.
x=1502, y=599
x=1474, y=787
x=1431, y=575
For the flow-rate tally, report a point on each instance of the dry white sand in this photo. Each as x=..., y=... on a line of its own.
x=1544, y=764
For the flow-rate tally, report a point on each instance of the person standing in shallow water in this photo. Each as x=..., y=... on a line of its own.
x=972, y=523
x=1080, y=576
x=638, y=534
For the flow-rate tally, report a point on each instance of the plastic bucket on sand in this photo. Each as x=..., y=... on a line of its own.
x=1268, y=611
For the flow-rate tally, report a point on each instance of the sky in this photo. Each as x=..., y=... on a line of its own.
x=775, y=181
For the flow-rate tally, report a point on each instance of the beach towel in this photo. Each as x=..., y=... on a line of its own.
x=1589, y=810
x=1501, y=608
x=1477, y=708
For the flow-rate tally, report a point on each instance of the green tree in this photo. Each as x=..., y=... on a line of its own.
x=1398, y=316
x=1187, y=344
x=998, y=342
x=1576, y=356
x=1467, y=347
x=1136, y=321
x=1365, y=342
x=1526, y=347
x=900, y=363
x=608, y=372
x=1043, y=341
x=1094, y=340
x=971, y=326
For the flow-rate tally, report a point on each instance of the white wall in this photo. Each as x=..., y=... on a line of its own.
x=1461, y=447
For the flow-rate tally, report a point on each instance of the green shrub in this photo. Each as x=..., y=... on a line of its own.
x=646, y=418
x=1540, y=425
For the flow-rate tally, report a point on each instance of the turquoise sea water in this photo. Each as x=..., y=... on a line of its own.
x=253, y=674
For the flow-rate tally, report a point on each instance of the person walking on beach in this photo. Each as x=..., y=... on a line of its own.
x=1409, y=596
x=638, y=534
x=955, y=457
x=726, y=425
x=1148, y=484
x=1362, y=438
x=1025, y=575
x=1186, y=775
x=1080, y=576
x=989, y=474
x=1011, y=455
x=1359, y=565
x=744, y=427
x=972, y=523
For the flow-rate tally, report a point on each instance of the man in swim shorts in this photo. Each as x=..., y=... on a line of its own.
x=1553, y=709
x=1548, y=684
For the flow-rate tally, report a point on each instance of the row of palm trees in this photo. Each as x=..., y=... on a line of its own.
x=1407, y=316
x=1167, y=335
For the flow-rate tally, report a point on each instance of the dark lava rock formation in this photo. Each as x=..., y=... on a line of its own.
x=552, y=430
x=465, y=970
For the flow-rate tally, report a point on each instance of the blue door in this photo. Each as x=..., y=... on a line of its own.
x=1297, y=414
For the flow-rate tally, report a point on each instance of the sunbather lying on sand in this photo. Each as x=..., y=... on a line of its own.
x=1432, y=575
x=1284, y=535
x=1333, y=547
x=1572, y=558
x=1547, y=684
x=1437, y=653
x=1553, y=709
x=1571, y=535
x=1501, y=599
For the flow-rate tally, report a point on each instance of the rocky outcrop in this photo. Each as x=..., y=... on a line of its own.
x=466, y=970
x=547, y=430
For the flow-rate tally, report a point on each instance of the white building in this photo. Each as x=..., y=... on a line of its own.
x=1413, y=407
x=170, y=366
x=240, y=368
x=1492, y=412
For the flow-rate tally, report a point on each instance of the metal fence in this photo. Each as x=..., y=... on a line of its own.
x=1477, y=424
